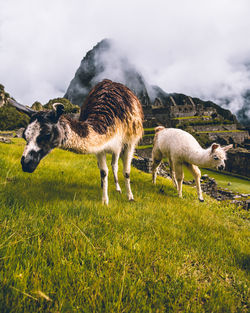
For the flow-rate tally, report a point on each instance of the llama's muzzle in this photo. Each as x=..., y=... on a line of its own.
x=29, y=164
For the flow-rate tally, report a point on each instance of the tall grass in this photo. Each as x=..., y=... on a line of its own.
x=62, y=251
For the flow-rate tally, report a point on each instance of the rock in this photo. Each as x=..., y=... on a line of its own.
x=237, y=197
x=143, y=164
x=19, y=133
x=205, y=176
x=5, y=140
x=238, y=161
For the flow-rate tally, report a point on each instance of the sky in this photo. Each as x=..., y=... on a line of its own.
x=197, y=47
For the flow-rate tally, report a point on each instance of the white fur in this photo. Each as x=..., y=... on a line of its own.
x=181, y=148
x=31, y=134
x=119, y=145
x=115, y=148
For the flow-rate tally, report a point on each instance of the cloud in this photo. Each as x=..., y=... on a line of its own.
x=200, y=48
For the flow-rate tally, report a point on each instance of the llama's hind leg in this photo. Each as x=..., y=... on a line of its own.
x=197, y=175
x=127, y=156
x=156, y=158
x=114, y=163
x=102, y=164
x=172, y=173
x=179, y=177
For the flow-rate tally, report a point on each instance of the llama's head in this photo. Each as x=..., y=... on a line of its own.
x=217, y=155
x=42, y=134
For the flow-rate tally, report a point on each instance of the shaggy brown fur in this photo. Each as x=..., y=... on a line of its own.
x=109, y=101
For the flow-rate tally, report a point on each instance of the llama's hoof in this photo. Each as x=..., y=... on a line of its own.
x=105, y=202
x=161, y=190
x=132, y=200
x=201, y=200
x=119, y=191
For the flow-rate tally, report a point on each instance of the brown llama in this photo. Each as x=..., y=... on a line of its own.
x=110, y=122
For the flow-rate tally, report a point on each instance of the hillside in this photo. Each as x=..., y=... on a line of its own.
x=62, y=251
x=11, y=119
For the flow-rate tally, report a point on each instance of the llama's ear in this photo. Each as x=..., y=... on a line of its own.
x=158, y=129
x=21, y=108
x=214, y=147
x=59, y=110
x=226, y=148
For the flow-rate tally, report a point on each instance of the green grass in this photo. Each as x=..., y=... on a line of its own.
x=236, y=184
x=190, y=117
x=62, y=251
x=222, y=131
x=144, y=147
x=4, y=132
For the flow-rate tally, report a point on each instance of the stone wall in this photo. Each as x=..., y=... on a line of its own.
x=214, y=127
x=229, y=137
x=238, y=161
x=147, y=140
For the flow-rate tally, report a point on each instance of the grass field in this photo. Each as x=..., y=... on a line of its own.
x=190, y=117
x=62, y=251
x=221, y=131
x=224, y=181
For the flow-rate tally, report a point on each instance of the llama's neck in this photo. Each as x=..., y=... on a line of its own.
x=80, y=137
x=76, y=136
x=200, y=157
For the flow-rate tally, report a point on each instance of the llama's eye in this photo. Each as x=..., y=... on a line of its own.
x=43, y=138
x=216, y=158
x=23, y=135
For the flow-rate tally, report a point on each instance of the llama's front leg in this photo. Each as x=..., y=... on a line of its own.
x=126, y=158
x=197, y=175
x=156, y=157
x=114, y=163
x=172, y=173
x=179, y=177
x=102, y=164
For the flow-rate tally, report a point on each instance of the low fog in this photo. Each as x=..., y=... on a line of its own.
x=199, y=48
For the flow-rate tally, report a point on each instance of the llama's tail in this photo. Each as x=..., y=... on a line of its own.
x=158, y=129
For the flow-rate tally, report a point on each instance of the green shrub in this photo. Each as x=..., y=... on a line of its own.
x=11, y=119
x=68, y=106
x=37, y=106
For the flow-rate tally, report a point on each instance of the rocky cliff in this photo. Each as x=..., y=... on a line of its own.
x=3, y=96
x=105, y=61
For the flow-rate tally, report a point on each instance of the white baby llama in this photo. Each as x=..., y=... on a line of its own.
x=181, y=148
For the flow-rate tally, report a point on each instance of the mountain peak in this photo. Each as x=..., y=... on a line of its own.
x=105, y=60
